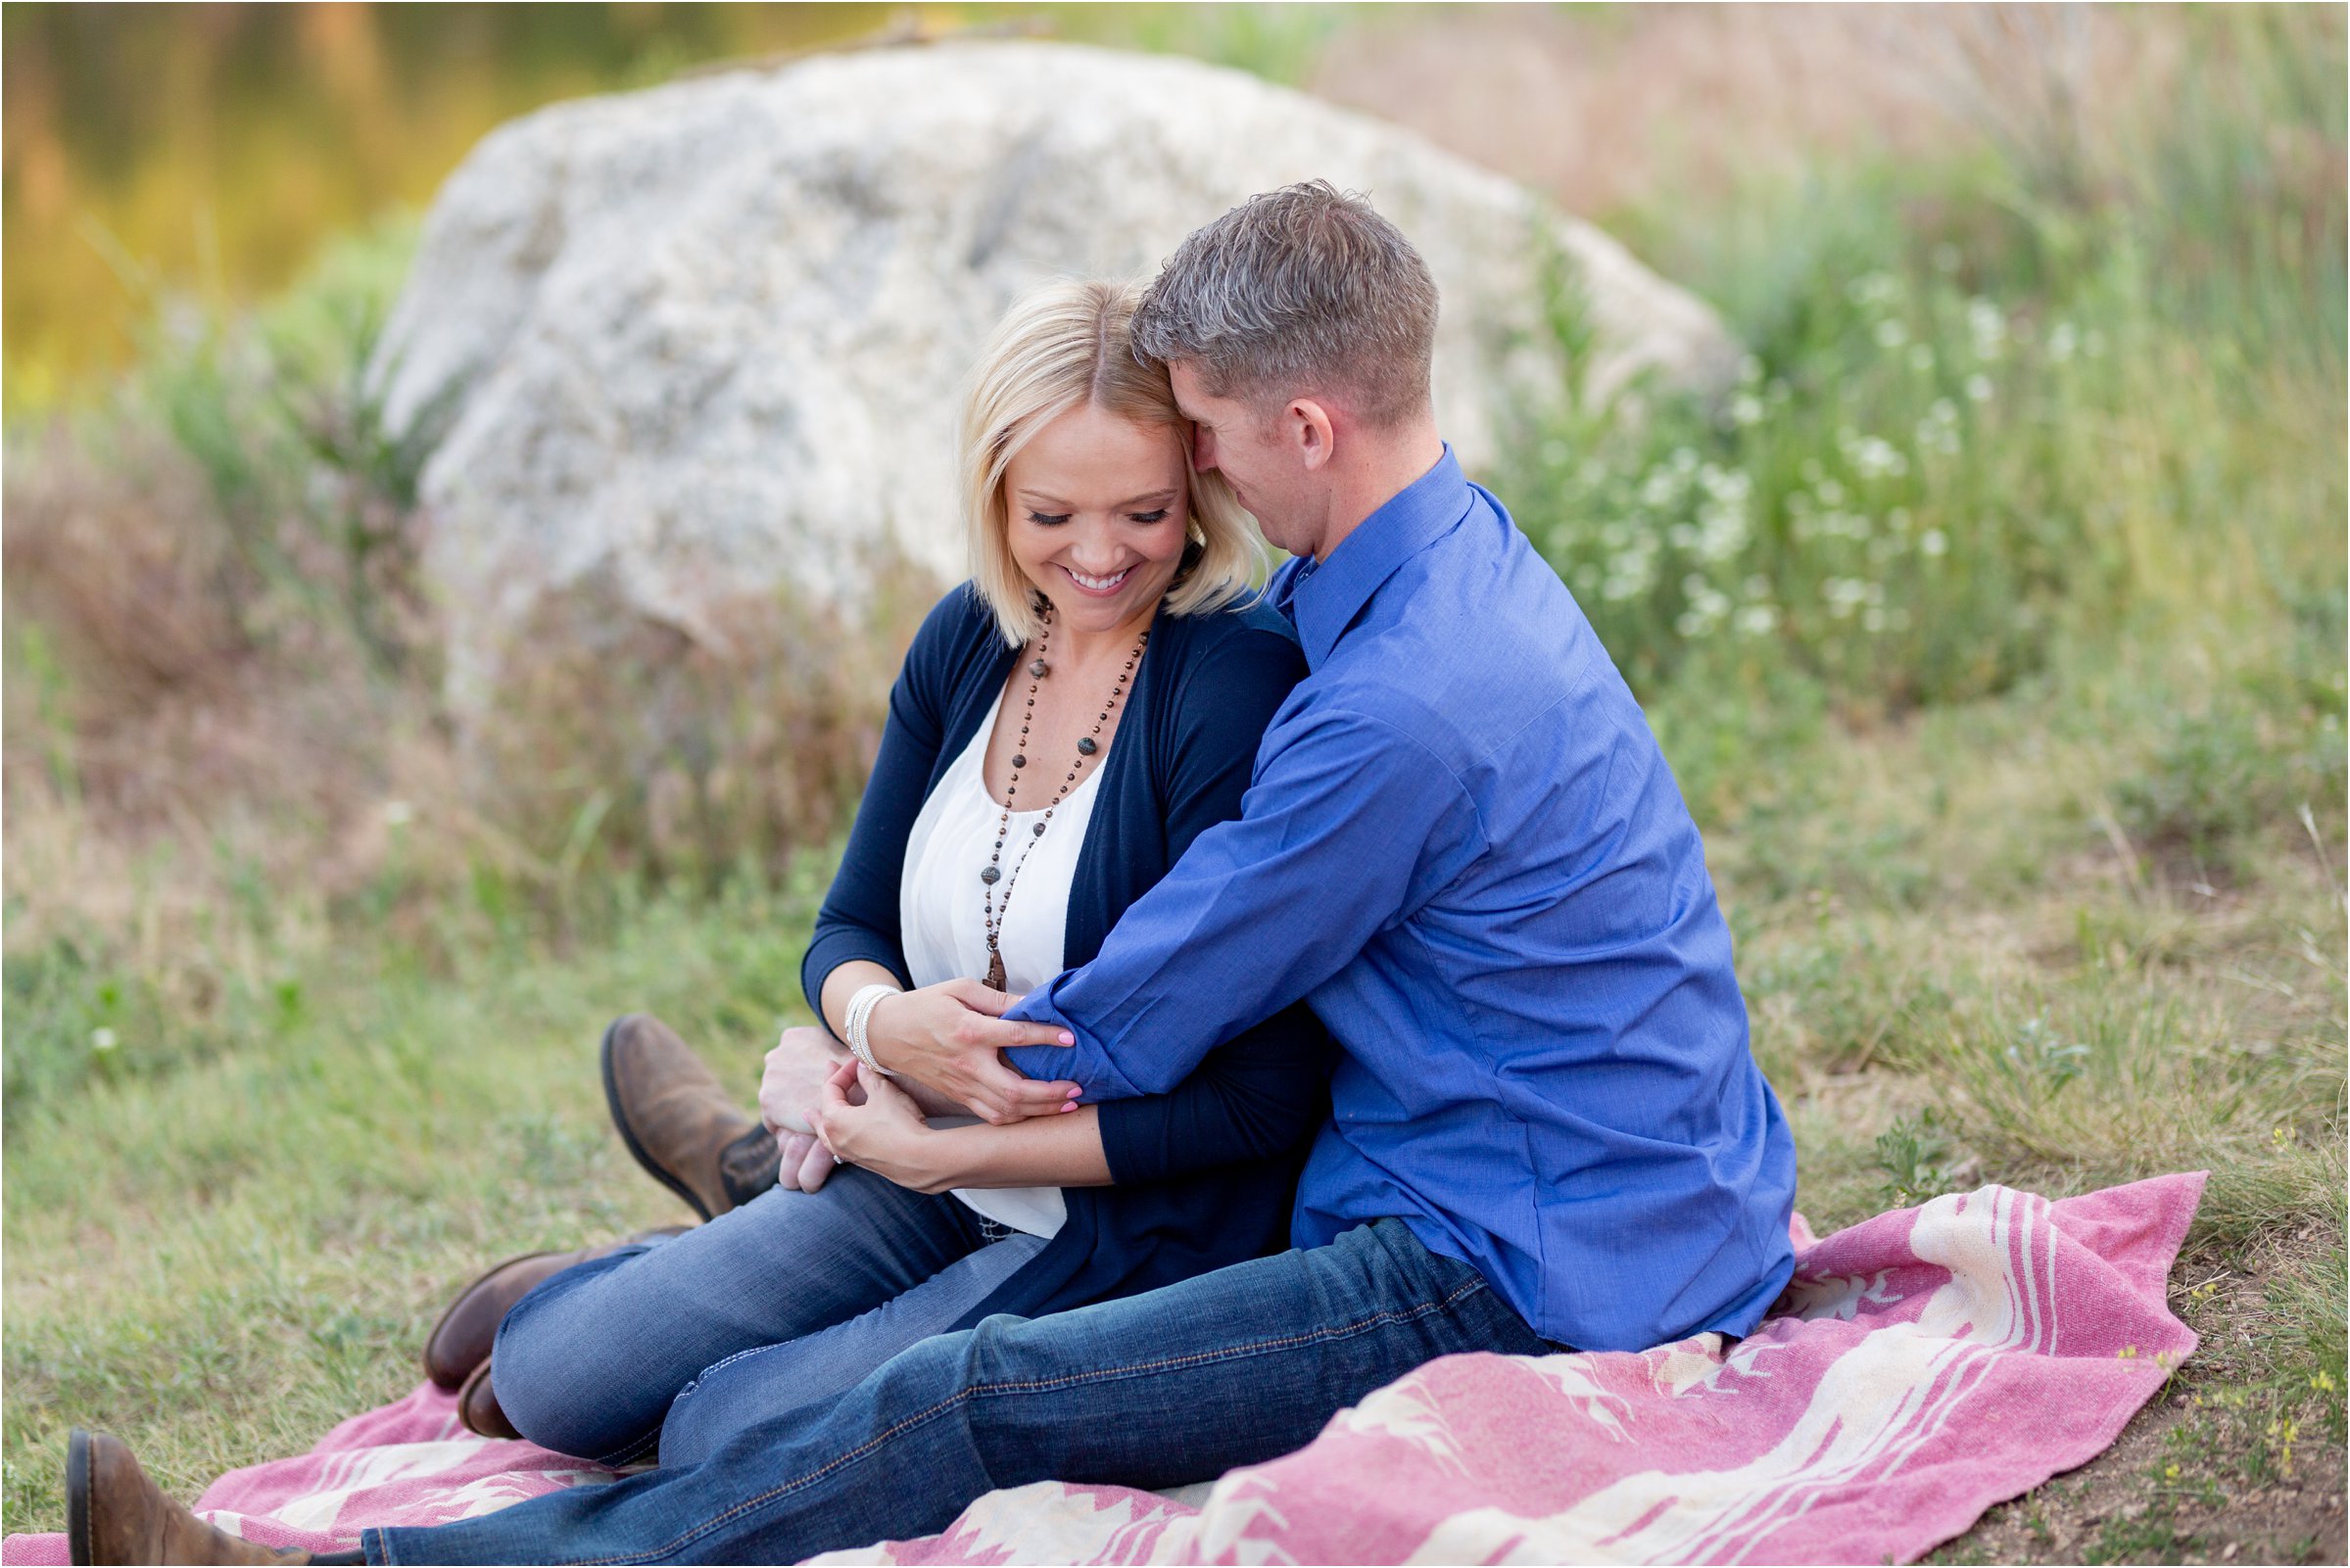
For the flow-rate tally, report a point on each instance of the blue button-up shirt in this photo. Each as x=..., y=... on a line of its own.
x=1464, y=850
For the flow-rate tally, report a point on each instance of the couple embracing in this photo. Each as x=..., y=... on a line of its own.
x=1372, y=999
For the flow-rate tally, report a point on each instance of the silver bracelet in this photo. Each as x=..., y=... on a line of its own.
x=860, y=1013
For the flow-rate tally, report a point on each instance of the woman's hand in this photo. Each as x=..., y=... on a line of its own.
x=792, y=1080
x=864, y=1119
x=950, y=1037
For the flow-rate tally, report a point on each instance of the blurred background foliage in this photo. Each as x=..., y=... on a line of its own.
x=212, y=150
x=1994, y=625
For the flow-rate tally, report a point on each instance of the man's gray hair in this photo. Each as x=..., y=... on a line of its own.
x=1298, y=291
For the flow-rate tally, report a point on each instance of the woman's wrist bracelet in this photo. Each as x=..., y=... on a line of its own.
x=861, y=1015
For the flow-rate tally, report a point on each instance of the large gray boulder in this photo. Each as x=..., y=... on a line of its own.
x=704, y=342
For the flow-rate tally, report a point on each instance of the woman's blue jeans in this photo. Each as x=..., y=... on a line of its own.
x=1173, y=1386
x=788, y=1301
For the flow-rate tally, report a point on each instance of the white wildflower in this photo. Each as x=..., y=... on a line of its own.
x=1745, y=409
x=1873, y=456
x=2062, y=340
x=1934, y=542
x=1722, y=514
x=1630, y=574
x=1890, y=333
x=1979, y=388
x=103, y=1040
x=1756, y=619
x=1708, y=607
x=1987, y=328
x=397, y=812
x=1844, y=594
x=1873, y=289
x=1938, y=432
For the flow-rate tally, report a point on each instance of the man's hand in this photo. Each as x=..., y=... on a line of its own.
x=792, y=1082
x=869, y=1122
x=949, y=1037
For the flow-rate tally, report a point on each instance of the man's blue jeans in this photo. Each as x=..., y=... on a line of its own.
x=1159, y=1390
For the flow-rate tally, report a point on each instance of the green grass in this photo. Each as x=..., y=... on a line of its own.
x=224, y=1252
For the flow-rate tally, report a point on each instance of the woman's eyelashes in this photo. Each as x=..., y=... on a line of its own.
x=1055, y=519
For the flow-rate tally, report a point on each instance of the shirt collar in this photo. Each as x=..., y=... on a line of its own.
x=1324, y=599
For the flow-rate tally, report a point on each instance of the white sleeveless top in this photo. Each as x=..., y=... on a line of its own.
x=942, y=909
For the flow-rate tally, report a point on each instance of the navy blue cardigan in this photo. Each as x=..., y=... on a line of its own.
x=1206, y=1173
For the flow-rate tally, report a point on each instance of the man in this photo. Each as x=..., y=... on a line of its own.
x=1464, y=849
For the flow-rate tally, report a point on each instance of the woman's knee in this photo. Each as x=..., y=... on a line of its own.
x=559, y=1406
x=560, y=1374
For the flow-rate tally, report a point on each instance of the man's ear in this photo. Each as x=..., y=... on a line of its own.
x=1311, y=429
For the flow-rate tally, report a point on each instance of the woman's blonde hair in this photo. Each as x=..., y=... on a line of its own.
x=1061, y=347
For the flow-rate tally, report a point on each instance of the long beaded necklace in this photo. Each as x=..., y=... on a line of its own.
x=1087, y=744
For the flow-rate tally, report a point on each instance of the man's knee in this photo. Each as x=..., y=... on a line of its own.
x=938, y=1378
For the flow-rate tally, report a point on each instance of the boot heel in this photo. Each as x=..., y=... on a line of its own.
x=78, y=1497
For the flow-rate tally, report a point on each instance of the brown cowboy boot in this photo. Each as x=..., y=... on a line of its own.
x=678, y=1121
x=460, y=1340
x=477, y=1407
x=114, y=1513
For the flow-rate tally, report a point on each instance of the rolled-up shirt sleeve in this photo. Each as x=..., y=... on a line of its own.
x=1350, y=824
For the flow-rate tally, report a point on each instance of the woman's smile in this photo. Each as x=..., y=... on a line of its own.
x=1099, y=587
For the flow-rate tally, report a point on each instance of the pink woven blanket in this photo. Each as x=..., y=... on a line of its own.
x=1922, y=1366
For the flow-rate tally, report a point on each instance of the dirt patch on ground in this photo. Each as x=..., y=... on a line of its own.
x=2241, y=1460
x=2119, y=1508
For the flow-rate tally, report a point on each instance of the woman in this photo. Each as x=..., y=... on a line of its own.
x=1064, y=725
